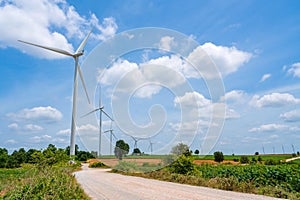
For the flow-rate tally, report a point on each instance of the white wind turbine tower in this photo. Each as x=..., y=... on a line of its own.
x=101, y=109
x=151, y=146
x=111, y=134
x=79, y=52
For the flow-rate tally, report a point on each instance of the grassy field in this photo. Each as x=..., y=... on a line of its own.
x=277, y=180
x=31, y=182
x=209, y=157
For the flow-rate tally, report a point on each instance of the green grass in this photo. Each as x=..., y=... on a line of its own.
x=43, y=182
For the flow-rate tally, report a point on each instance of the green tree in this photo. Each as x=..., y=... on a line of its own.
x=197, y=152
x=121, y=149
x=244, y=159
x=136, y=151
x=3, y=157
x=19, y=156
x=68, y=149
x=180, y=149
x=218, y=156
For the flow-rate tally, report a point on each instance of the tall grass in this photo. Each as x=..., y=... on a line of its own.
x=40, y=182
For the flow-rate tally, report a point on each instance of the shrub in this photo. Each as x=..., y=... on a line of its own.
x=253, y=160
x=126, y=166
x=183, y=165
x=218, y=156
x=256, y=153
x=259, y=159
x=98, y=165
x=244, y=159
x=271, y=162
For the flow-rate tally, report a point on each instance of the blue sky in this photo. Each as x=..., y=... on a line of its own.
x=254, y=44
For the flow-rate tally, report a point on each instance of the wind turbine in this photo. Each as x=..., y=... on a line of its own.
x=79, y=52
x=111, y=134
x=293, y=148
x=135, y=141
x=151, y=146
x=283, y=149
x=101, y=109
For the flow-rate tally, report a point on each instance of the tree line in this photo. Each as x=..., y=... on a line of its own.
x=50, y=156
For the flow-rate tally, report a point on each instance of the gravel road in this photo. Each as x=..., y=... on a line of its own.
x=100, y=184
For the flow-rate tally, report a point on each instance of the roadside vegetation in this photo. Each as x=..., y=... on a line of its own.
x=258, y=174
x=40, y=174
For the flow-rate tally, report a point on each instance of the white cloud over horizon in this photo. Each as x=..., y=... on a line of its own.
x=273, y=127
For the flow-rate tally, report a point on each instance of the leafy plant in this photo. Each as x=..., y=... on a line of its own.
x=218, y=156
x=244, y=159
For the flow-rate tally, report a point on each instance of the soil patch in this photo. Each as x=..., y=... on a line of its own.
x=113, y=161
x=199, y=162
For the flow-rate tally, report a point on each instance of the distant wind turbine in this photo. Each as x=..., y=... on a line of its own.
x=79, y=52
x=151, y=146
x=111, y=134
x=135, y=141
x=101, y=109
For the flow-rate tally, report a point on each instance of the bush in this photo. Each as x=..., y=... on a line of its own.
x=98, y=165
x=256, y=153
x=271, y=162
x=259, y=159
x=218, y=156
x=244, y=159
x=183, y=165
x=127, y=166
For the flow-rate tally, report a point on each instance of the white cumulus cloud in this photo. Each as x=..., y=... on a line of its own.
x=13, y=126
x=265, y=77
x=273, y=127
x=291, y=116
x=166, y=43
x=269, y=127
x=33, y=127
x=295, y=70
x=274, y=100
x=227, y=59
x=191, y=99
x=234, y=96
x=47, y=22
x=47, y=114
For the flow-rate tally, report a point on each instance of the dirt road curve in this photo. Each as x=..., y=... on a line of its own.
x=100, y=184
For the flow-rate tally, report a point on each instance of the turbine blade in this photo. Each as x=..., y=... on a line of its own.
x=49, y=48
x=106, y=131
x=90, y=112
x=81, y=46
x=107, y=115
x=83, y=83
x=114, y=135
